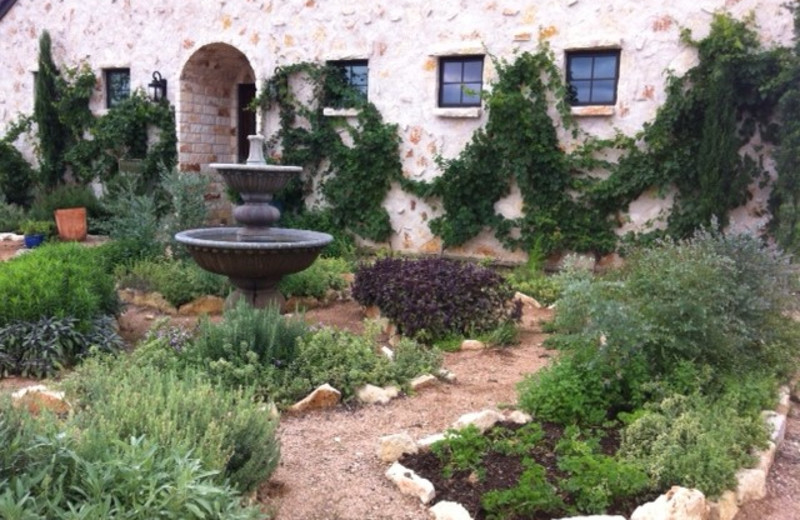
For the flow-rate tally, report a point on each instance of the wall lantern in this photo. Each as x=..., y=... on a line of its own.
x=158, y=87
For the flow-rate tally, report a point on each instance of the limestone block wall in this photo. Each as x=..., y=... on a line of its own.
x=204, y=49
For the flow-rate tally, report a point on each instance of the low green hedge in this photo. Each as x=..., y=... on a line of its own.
x=57, y=280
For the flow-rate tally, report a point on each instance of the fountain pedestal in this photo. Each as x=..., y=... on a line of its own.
x=256, y=255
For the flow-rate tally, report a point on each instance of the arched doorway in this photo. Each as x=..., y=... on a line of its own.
x=216, y=85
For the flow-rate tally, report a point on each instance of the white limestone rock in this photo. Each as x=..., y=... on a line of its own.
x=676, y=504
x=371, y=394
x=446, y=376
x=517, y=417
x=446, y=510
x=38, y=389
x=482, y=420
x=392, y=447
x=767, y=457
x=425, y=443
x=776, y=423
x=527, y=301
x=410, y=483
x=472, y=344
x=423, y=381
x=389, y=353
x=324, y=396
x=725, y=508
x=593, y=517
x=752, y=485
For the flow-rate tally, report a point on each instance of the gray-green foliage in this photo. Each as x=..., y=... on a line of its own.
x=11, y=216
x=178, y=281
x=49, y=470
x=226, y=428
x=281, y=358
x=348, y=361
x=188, y=208
x=714, y=299
x=694, y=442
x=247, y=346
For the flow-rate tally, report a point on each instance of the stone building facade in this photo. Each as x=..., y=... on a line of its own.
x=216, y=54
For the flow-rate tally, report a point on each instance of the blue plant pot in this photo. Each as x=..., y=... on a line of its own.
x=32, y=241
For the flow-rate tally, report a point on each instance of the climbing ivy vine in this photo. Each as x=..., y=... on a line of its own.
x=519, y=144
x=706, y=144
x=354, y=176
x=698, y=142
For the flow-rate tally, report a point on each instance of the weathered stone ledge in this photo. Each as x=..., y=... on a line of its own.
x=678, y=503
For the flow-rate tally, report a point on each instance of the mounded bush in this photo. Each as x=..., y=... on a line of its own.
x=324, y=274
x=178, y=281
x=45, y=473
x=433, y=298
x=58, y=280
x=39, y=348
x=227, y=429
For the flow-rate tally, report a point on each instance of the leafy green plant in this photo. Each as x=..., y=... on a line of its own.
x=16, y=176
x=225, y=428
x=40, y=348
x=324, y=275
x=461, y=450
x=65, y=196
x=355, y=178
x=246, y=343
x=435, y=297
x=532, y=494
x=348, y=361
x=36, y=227
x=594, y=480
x=11, y=217
x=56, y=280
x=179, y=281
x=343, y=245
x=46, y=473
x=694, y=442
x=187, y=205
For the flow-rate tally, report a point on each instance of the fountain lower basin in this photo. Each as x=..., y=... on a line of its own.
x=254, y=267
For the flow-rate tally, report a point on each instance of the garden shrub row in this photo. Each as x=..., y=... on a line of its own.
x=283, y=358
x=58, y=302
x=90, y=466
x=680, y=351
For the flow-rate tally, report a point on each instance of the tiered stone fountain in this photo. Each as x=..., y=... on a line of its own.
x=255, y=256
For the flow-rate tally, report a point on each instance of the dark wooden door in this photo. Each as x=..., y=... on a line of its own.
x=246, y=119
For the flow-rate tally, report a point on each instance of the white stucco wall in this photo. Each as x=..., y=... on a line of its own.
x=401, y=39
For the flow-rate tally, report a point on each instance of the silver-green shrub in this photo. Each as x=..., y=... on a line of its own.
x=227, y=429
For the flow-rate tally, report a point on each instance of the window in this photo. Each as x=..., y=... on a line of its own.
x=460, y=81
x=592, y=77
x=348, y=87
x=118, y=86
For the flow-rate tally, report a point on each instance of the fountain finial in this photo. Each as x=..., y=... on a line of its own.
x=256, y=155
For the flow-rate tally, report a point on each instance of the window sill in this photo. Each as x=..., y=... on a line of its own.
x=458, y=113
x=593, y=111
x=340, y=112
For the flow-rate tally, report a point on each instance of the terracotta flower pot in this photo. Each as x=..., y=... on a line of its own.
x=71, y=223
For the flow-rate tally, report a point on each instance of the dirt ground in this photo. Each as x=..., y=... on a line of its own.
x=329, y=469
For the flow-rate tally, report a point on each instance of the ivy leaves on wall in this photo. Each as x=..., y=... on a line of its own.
x=519, y=144
x=354, y=177
x=706, y=144
x=697, y=143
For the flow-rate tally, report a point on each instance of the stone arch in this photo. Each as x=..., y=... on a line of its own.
x=209, y=119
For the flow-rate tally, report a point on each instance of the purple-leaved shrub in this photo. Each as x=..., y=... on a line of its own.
x=434, y=298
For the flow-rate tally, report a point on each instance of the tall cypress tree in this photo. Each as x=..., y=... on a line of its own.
x=53, y=135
